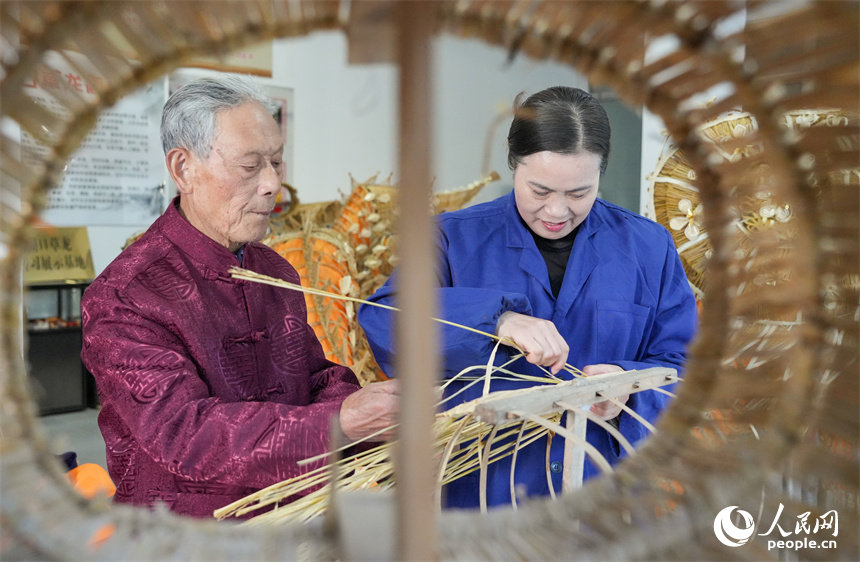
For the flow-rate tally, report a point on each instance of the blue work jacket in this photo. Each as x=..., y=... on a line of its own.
x=625, y=300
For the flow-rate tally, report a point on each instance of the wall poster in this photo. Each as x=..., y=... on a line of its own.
x=117, y=176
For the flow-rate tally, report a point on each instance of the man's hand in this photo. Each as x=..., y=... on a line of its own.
x=606, y=409
x=371, y=409
x=538, y=338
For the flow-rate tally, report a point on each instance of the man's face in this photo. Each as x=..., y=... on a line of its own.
x=232, y=193
x=555, y=192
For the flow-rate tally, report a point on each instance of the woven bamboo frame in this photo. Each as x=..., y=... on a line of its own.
x=800, y=393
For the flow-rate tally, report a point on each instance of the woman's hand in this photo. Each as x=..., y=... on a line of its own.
x=607, y=409
x=537, y=338
x=371, y=409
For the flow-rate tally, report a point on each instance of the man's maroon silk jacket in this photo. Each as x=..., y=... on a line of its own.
x=210, y=387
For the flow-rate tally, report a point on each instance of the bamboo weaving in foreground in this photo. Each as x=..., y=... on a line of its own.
x=800, y=392
x=468, y=438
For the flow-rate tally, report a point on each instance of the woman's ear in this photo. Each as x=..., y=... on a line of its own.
x=180, y=165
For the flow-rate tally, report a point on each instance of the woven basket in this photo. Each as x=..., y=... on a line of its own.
x=799, y=400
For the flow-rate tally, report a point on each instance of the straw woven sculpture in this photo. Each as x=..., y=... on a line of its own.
x=366, y=220
x=347, y=248
x=801, y=396
x=675, y=194
x=324, y=260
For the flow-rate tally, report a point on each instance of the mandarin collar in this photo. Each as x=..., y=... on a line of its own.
x=197, y=245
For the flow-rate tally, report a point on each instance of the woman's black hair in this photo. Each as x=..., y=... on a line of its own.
x=559, y=119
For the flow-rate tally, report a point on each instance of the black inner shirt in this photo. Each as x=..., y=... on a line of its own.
x=555, y=253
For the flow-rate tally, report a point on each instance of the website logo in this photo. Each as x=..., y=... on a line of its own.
x=728, y=533
x=736, y=530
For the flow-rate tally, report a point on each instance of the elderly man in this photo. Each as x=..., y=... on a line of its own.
x=211, y=387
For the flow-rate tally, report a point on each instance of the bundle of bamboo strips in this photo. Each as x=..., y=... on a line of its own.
x=373, y=469
x=464, y=443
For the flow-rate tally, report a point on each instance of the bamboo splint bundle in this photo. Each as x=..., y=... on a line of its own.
x=537, y=412
x=468, y=438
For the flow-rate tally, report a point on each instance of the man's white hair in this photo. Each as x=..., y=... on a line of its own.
x=188, y=119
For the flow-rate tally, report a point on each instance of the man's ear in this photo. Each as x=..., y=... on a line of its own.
x=180, y=164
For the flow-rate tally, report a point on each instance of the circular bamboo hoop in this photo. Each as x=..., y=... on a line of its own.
x=802, y=398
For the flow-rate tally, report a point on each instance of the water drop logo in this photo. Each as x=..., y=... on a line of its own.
x=726, y=531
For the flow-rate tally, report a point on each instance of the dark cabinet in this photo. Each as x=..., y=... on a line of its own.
x=58, y=379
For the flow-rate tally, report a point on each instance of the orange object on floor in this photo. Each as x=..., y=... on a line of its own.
x=91, y=480
x=102, y=534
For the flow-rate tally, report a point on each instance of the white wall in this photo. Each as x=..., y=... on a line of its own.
x=345, y=119
x=346, y=116
x=473, y=84
x=653, y=138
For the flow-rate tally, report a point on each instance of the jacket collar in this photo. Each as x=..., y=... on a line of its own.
x=519, y=237
x=583, y=256
x=213, y=258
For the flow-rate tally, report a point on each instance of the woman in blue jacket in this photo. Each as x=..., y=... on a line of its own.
x=568, y=277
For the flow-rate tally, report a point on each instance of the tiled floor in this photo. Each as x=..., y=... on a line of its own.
x=78, y=432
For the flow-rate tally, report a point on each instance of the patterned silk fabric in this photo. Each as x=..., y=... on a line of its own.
x=211, y=387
